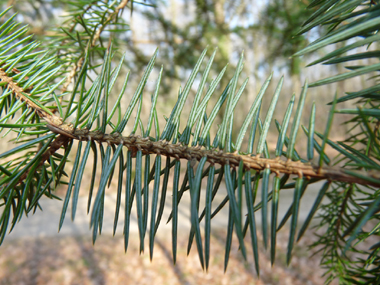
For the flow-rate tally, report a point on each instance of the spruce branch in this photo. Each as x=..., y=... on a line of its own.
x=26, y=97
x=77, y=66
x=55, y=145
x=26, y=178
x=179, y=151
x=109, y=19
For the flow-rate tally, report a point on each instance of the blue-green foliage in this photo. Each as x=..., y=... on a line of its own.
x=38, y=111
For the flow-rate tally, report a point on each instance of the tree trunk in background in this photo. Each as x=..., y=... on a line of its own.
x=173, y=10
x=220, y=20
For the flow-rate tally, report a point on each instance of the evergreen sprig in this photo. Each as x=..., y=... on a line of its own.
x=48, y=119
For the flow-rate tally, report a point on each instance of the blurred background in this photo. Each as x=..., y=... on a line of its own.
x=265, y=31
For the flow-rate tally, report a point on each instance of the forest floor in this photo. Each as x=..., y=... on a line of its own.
x=74, y=260
x=35, y=253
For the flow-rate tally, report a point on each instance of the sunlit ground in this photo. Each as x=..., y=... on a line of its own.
x=74, y=260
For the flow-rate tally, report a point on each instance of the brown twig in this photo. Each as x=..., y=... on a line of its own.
x=19, y=93
x=50, y=118
x=80, y=61
x=179, y=151
x=53, y=148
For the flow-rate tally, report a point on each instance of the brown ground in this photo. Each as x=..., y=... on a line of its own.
x=74, y=260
